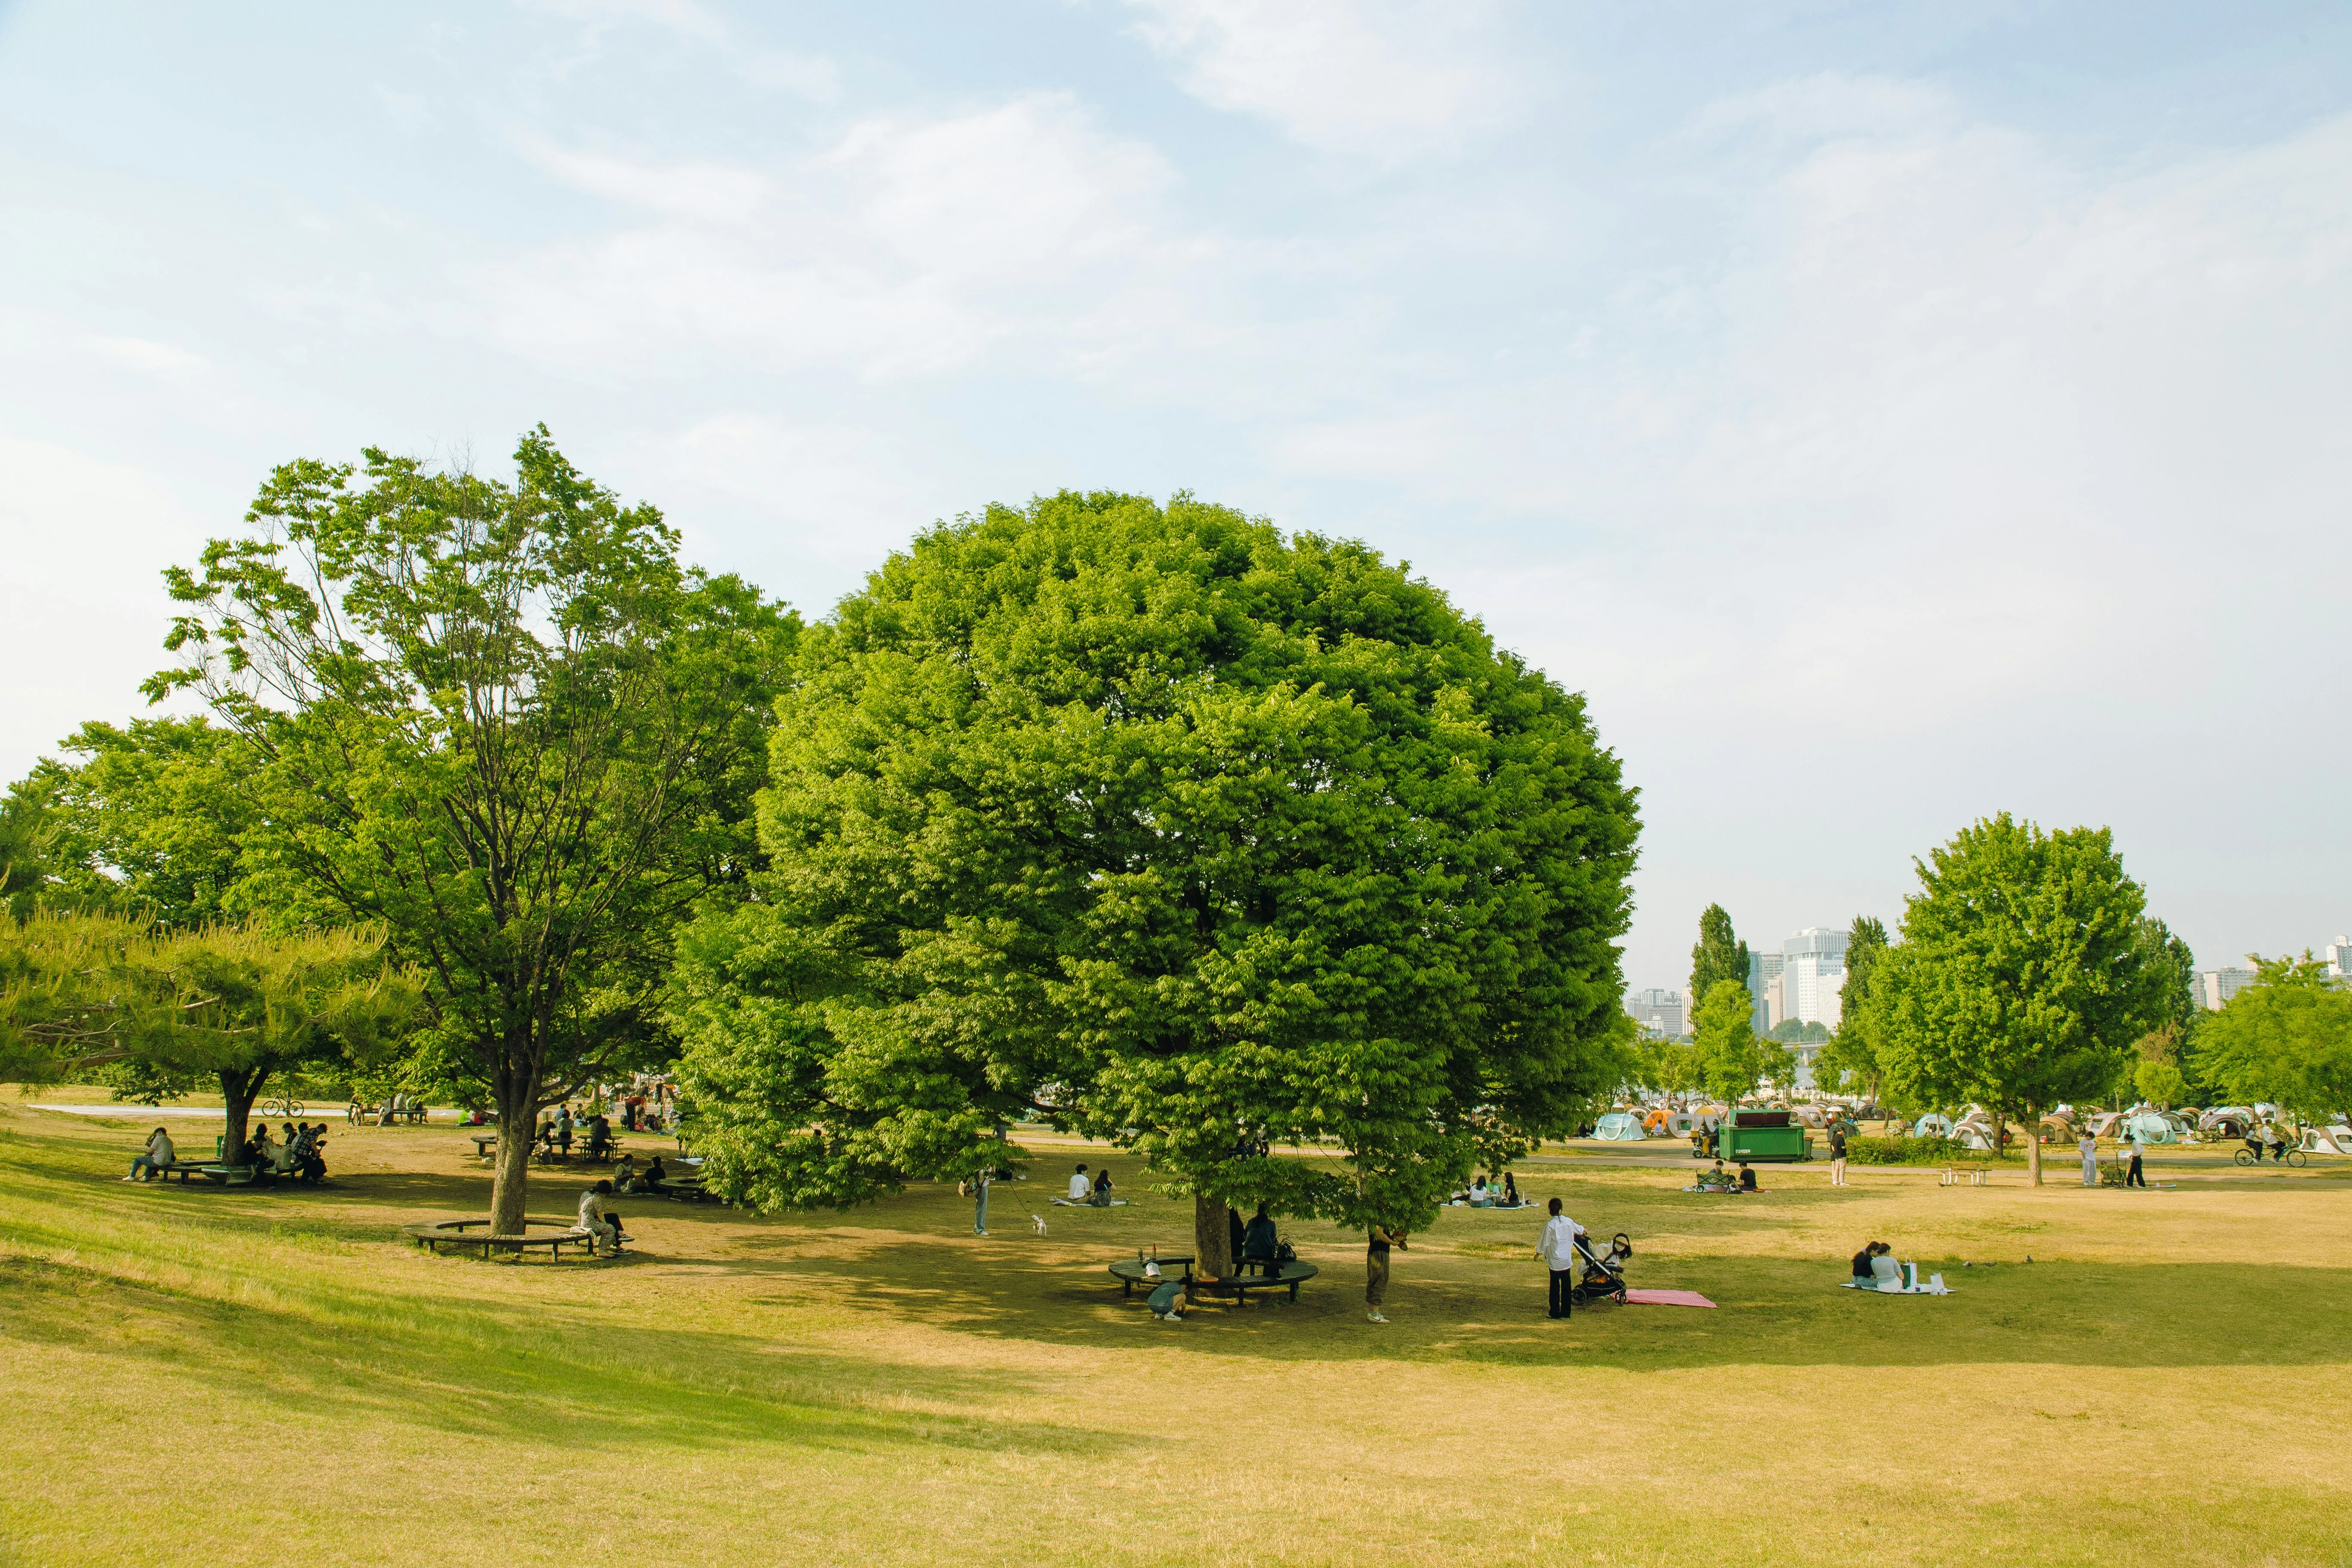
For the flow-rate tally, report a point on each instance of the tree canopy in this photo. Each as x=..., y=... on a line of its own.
x=1850, y=1060
x=501, y=720
x=1718, y=956
x=2023, y=976
x=1163, y=828
x=1728, y=1056
x=2285, y=1039
x=239, y=1004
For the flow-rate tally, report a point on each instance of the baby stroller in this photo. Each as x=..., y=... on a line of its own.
x=1603, y=1278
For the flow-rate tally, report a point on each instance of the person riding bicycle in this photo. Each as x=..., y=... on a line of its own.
x=2268, y=1135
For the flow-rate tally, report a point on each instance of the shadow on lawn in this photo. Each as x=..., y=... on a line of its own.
x=1770, y=1311
x=478, y=1370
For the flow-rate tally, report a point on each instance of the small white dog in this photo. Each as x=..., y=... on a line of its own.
x=1039, y=1221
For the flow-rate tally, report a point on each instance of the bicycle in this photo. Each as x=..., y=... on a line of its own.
x=284, y=1104
x=2295, y=1157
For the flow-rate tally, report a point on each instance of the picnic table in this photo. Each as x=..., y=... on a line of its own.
x=1129, y=1272
x=483, y=1144
x=432, y=1235
x=686, y=1188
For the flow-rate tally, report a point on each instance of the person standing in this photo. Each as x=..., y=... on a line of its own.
x=980, y=1202
x=2133, y=1178
x=1837, y=1153
x=1378, y=1239
x=1557, y=1247
x=2088, y=1147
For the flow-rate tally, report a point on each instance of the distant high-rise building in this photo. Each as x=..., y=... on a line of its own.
x=1764, y=986
x=1659, y=1013
x=2216, y=986
x=1813, y=975
x=2339, y=958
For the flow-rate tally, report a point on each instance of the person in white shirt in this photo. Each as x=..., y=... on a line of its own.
x=603, y=1230
x=1081, y=1187
x=1558, y=1249
x=2088, y=1147
x=159, y=1154
x=2132, y=1178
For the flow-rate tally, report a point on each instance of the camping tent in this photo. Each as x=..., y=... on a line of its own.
x=1621, y=1127
x=2335, y=1139
x=2155, y=1127
x=1935, y=1124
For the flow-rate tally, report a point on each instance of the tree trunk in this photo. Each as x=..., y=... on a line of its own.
x=2034, y=1147
x=517, y=1118
x=1212, y=1242
x=238, y=1090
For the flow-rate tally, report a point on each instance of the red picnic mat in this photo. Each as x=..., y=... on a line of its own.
x=1667, y=1298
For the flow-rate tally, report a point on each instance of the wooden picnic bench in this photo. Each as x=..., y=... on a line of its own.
x=685, y=1189
x=1285, y=1277
x=227, y=1176
x=1129, y=1272
x=1962, y=1176
x=432, y=1235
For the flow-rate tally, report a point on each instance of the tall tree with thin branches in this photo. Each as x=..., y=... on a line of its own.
x=502, y=720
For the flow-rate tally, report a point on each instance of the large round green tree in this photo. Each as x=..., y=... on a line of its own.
x=1166, y=828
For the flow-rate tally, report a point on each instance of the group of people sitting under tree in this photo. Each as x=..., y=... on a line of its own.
x=1483, y=1194
x=628, y=1178
x=555, y=1133
x=299, y=1155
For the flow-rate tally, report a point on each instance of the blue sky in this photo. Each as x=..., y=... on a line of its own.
x=1887, y=414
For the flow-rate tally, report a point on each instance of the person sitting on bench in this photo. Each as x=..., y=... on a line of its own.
x=1259, y=1242
x=600, y=1138
x=1081, y=1188
x=656, y=1173
x=625, y=1178
x=1101, y=1198
x=160, y=1154
x=260, y=1152
x=604, y=1227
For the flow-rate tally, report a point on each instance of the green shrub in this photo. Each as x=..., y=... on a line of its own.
x=1907, y=1151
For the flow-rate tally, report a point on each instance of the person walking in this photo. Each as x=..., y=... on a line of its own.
x=1837, y=1153
x=2088, y=1147
x=2133, y=1178
x=1378, y=1239
x=1557, y=1247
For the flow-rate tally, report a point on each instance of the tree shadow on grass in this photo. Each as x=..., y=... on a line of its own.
x=1770, y=1312
x=478, y=1370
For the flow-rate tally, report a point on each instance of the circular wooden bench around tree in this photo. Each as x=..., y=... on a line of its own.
x=435, y=1235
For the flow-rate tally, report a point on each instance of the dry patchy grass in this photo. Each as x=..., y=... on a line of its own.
x=2167, y=1381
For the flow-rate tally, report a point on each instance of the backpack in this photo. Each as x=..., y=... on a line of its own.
x=1284, y=1253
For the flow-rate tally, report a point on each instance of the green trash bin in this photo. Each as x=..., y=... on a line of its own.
x=1766, y=1138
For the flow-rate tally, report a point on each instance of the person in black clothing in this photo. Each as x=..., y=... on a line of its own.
x=1101, y=1197
x=1746, y=1178
x=600, y=1138
x=1259, y=1241
x=1235, y=1234
x=1837, y=1153
x=1510, y=1191
x=1861, y=1260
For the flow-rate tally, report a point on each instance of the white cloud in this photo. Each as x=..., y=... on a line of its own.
x=908, y=247
x=1381, y=78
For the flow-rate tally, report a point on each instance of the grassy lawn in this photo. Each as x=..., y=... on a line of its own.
x=2170, y=1381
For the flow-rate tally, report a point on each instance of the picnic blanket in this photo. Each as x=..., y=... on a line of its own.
x=1082, y=1204
x=1911, y=1286
x=1667, y=1298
